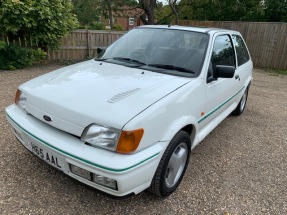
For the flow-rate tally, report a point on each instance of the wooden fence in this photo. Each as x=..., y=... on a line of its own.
x=267, y=42
x=83, y=44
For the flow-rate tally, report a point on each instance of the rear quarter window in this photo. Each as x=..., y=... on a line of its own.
x=241, y=50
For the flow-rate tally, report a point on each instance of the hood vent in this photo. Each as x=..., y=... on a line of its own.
x=122, y=95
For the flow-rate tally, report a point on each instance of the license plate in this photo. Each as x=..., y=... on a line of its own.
x=49, y=157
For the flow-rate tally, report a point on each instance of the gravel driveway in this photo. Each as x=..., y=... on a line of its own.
x=241, y=167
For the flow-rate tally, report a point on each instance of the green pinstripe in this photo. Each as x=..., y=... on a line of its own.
x=79, y=158
x=217, y=108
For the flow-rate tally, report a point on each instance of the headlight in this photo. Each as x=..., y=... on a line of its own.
x=101, y=136
x=21, y=100
x=112, y=139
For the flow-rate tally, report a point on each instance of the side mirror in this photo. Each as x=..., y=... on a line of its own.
x=224, y=71
x=99, y=50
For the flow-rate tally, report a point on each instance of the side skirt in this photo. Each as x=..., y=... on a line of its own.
x=213, y=124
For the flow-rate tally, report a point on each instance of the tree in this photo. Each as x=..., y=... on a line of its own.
x=276, y=10
x=163, y=14
x=87, y=11
x=229, y=10
x=224, y=10
x=172, y=4
x=110, y=13
x=174, y=10
x=41, y=21
x=149, y=6
x=185, y=9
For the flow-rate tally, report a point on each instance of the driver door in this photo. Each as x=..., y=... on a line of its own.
x=221, y=93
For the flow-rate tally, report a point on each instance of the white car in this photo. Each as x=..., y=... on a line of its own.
x=127, y=120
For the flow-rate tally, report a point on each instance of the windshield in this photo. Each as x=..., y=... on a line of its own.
x=168, y=51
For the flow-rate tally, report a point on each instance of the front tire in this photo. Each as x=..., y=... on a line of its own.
x=242, y=104
x=172, y=166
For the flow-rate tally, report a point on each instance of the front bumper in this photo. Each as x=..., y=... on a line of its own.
x=133, y=173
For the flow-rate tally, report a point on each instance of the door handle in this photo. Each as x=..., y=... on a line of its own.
x=237, y=77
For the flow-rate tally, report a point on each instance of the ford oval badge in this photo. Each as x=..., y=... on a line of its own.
x=47, y=118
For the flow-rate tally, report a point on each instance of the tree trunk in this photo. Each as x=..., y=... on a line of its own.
x=143, y=19
x=110, y=11
x=172, y=4
x=148, y=6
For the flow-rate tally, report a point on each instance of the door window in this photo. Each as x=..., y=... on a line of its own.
x=241, y=50
x=222, y=52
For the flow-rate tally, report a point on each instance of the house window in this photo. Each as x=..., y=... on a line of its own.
x=131, y=21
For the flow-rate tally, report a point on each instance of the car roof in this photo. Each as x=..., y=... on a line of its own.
x=200, y=29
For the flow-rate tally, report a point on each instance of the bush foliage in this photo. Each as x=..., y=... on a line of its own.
x=13, y=56
x=43, y=22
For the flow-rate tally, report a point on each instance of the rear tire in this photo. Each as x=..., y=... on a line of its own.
x=172, y=166
x=242, y=104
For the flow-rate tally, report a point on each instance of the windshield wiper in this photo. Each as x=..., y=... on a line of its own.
x=171, y=67
x=102, y=59
x=129, y=60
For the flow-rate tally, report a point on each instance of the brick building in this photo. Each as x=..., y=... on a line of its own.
x=126, y=17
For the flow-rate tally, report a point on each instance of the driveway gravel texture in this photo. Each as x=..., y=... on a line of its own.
x=240, y=167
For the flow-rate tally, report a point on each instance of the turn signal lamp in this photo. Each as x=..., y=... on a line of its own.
x=17, y=96
x=129, y=141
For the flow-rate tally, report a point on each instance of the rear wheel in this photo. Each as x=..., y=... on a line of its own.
x=172, y=166
x=241, y=105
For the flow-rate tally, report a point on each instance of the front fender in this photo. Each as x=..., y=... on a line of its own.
x=162, y=120
x=180, y=124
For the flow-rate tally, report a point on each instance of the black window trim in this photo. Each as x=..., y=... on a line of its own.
x=234, y=50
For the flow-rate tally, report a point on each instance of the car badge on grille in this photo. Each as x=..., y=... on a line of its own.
x=47, y=118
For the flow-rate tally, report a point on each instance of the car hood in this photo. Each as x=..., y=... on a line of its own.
x=97, y=92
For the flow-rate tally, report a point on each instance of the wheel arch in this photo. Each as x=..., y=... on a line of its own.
x=187, y=124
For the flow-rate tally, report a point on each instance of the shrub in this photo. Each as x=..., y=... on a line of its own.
x=43, y=21
x=118, y=28
x=13, y=56
x=97, y=26
x=38, y=54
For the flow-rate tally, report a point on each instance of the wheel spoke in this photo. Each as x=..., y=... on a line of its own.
x=170, y=178
x=243, y=100
x=176, y=165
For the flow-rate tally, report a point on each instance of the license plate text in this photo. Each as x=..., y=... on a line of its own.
x=52, y=159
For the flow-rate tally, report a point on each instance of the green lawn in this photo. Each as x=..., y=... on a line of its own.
x=283, y=72
x=276, y=71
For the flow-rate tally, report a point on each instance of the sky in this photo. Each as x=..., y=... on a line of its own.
x=163, y=1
